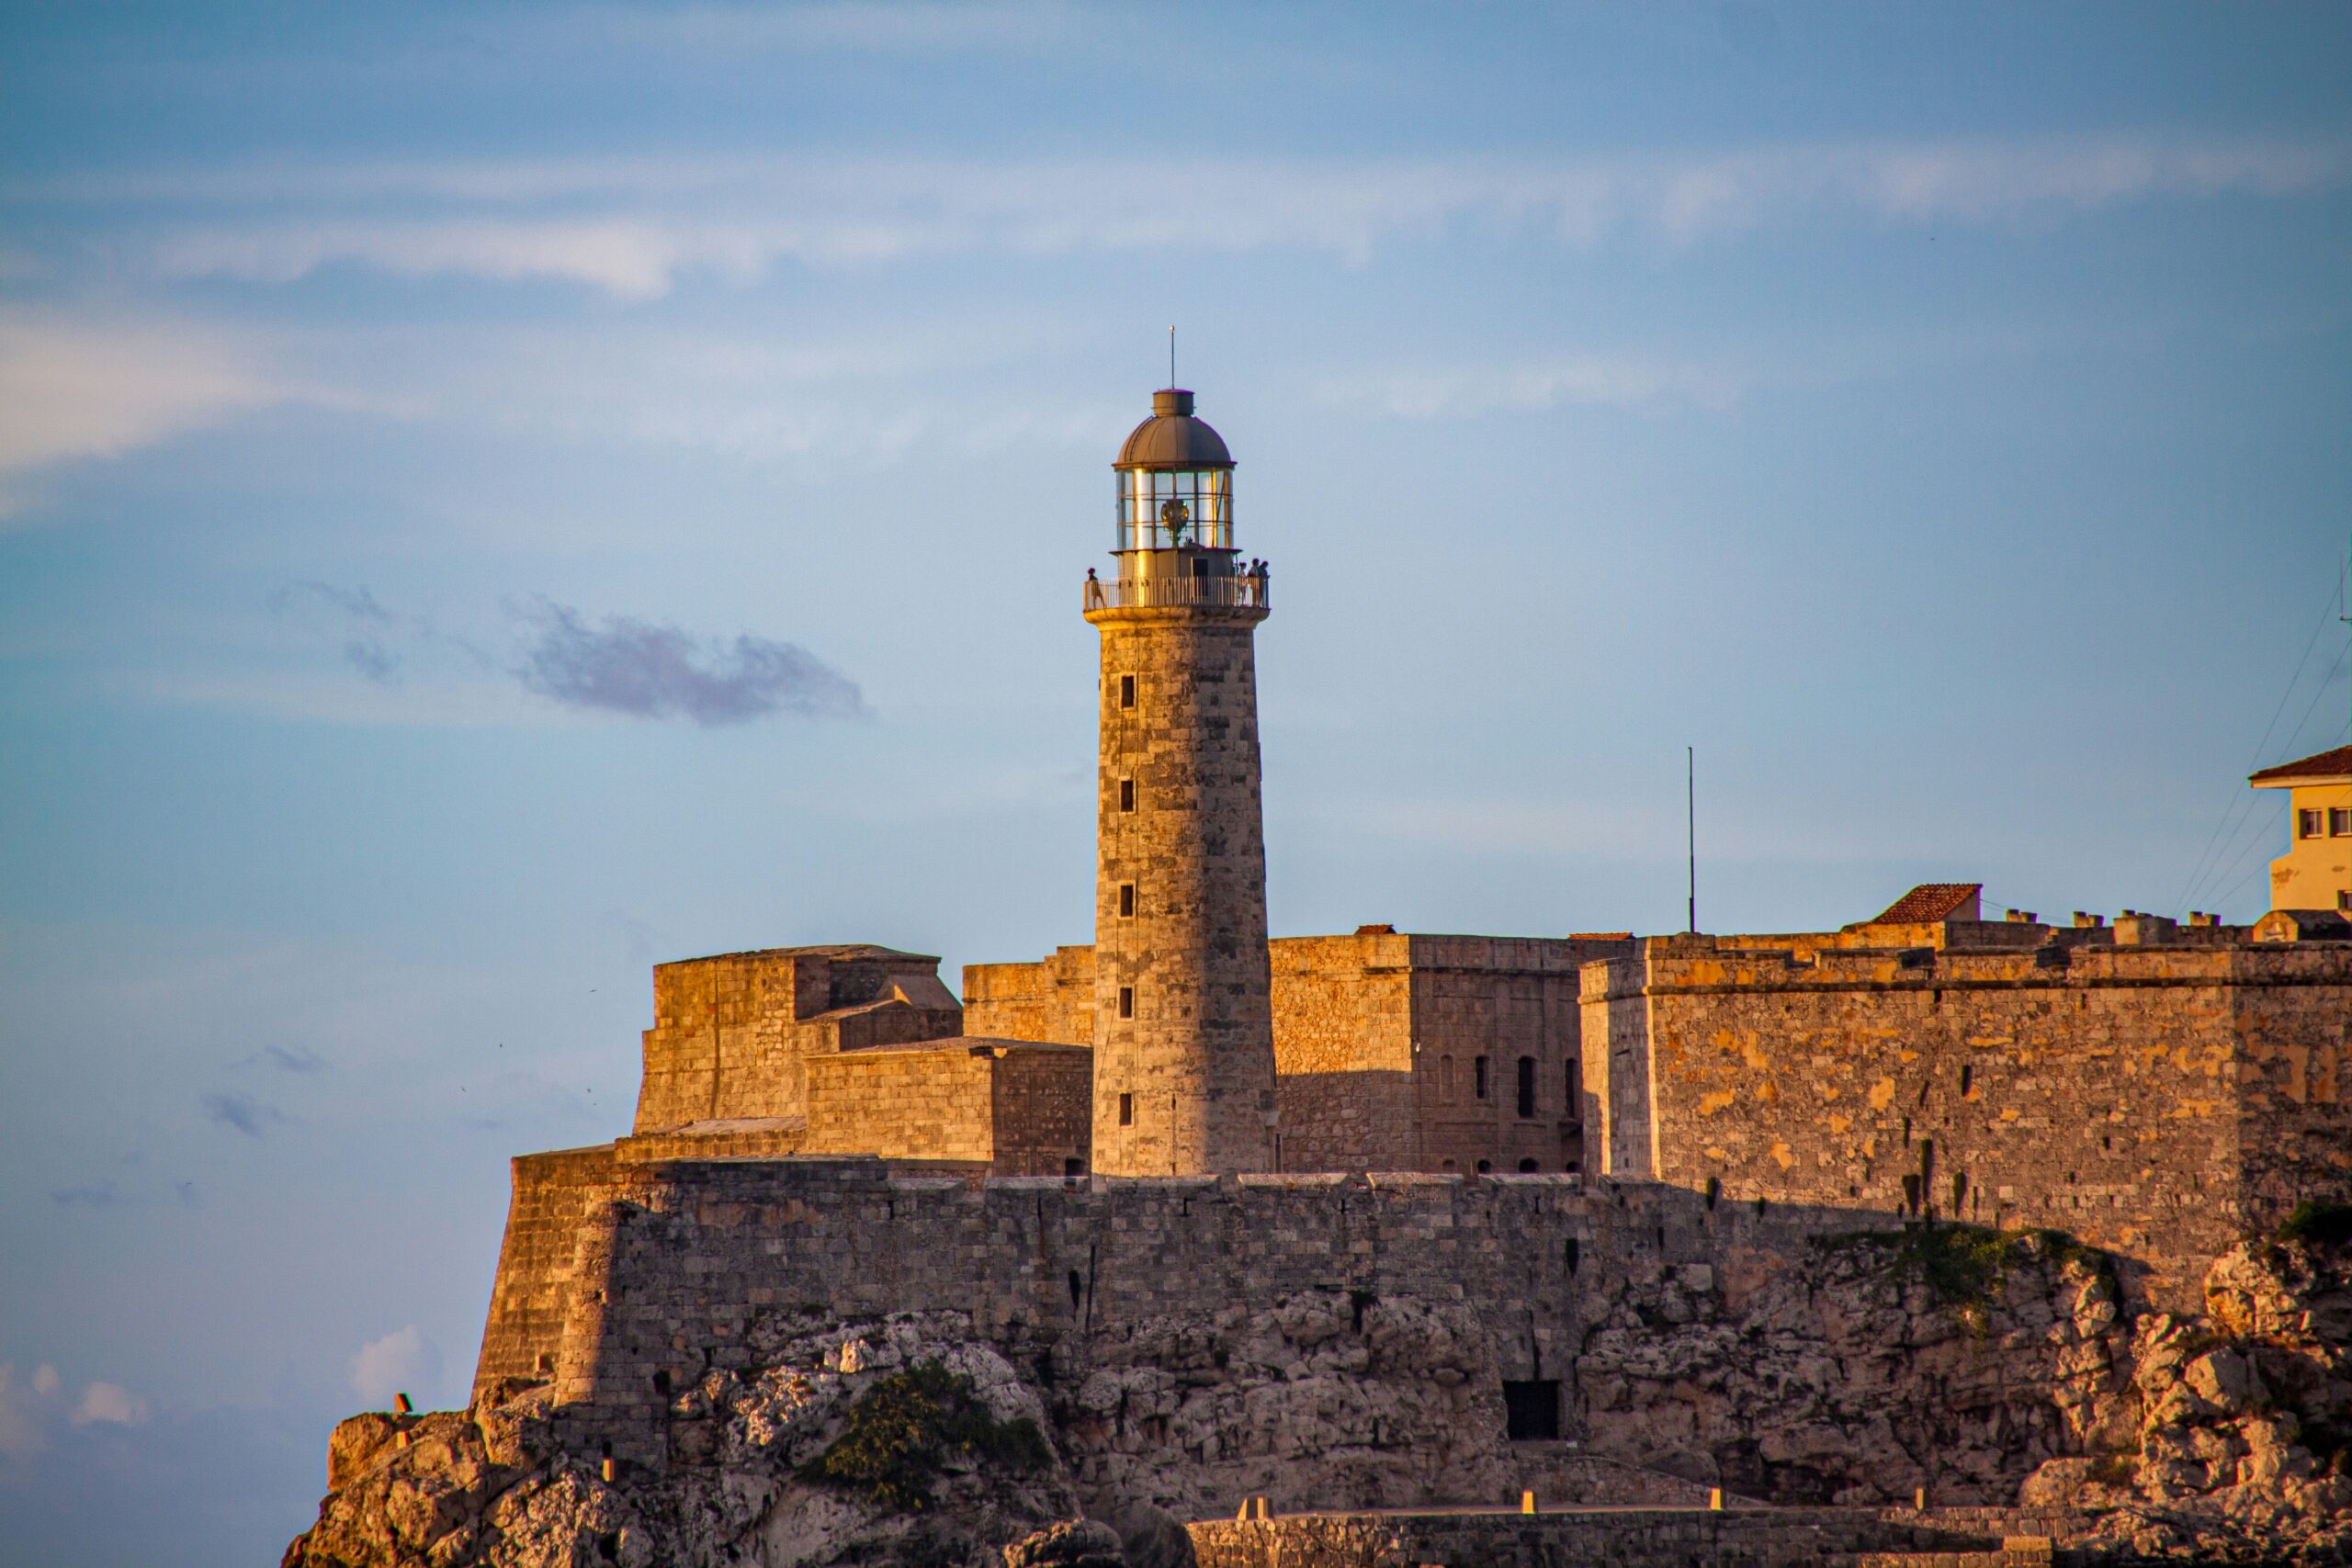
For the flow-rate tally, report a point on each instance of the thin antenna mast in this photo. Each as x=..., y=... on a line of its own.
x=1172, y=355
x=1690, y=803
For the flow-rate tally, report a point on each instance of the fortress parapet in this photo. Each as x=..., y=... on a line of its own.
x=2159, y=1098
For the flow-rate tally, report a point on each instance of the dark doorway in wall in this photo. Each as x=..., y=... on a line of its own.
x=1532, y=1410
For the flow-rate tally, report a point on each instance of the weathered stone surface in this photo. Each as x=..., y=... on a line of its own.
x=734, y=1490
x=2159, y=1101
x=1184, y=1069
x=1846, y=1376
x=1071, y=1544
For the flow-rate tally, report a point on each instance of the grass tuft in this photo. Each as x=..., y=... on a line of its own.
x=1967, y=1268
x=902, y=1431
x=2330, y=1224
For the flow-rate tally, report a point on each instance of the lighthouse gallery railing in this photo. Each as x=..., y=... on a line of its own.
x=1152, y=592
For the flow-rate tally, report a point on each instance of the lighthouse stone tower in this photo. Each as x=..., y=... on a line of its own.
x=1183, y=1028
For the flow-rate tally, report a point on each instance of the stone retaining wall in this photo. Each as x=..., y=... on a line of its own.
x=1750, y=1537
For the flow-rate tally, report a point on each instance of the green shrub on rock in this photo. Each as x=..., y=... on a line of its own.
x=908, y=1427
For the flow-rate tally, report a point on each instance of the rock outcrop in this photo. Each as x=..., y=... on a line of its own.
x=895, y=1442
x=1990, y=1369
x=1964, y=1362
x=2231, y=1435
x=1955, y=1360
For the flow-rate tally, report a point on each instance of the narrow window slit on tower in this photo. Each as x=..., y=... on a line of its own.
x=1127, y=1001
x=1527, y=1086
x=1126, y=691
x=1967, y=1077
x=1479, y=1067
x=1127, y=899
x=1126, y=1110
x=1127, y=795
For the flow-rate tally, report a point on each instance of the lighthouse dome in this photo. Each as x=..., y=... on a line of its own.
x=1173, y=438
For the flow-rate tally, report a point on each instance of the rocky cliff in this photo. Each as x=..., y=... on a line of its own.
x=1972, y=1364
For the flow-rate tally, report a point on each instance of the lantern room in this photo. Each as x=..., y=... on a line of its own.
x=1175, y=482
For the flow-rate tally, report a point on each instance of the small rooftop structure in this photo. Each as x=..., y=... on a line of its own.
x=1932, y=902
x=2321, y=767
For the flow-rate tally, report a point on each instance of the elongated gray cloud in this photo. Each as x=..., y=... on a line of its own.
x=623, y=665
x=613, y=664
x=372, y=636
x=92, y=1195
x=242, y=1114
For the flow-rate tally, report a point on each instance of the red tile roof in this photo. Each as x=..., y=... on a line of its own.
x=2323, y=765
x=1927, y=904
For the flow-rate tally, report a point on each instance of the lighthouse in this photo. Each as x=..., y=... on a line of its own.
x=1183, y=1030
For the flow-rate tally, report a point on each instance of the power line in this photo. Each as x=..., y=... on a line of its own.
x=2238, y=800
x=2294, y=744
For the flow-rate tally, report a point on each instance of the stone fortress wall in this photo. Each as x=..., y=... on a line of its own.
x=678, y=1261
x=1013, y=1108
x=2154, y=1090
x=2158, y=1095
x=1393, y=1050
x=2151, y=1090
x=732, y=1033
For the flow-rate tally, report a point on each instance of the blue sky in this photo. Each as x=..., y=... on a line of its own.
x=493, y=496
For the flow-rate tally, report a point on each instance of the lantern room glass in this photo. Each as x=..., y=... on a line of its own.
x=1164, y=508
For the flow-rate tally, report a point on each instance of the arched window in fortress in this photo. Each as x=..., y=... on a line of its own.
x=1526, y=1087
x=1478, y=1073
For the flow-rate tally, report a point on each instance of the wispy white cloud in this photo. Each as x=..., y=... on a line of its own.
x=1626, y=382
x=1595, y=830
x=30, y=1409
x=21, y=1413
x=399, y=1362
x=901, y=27
x=96, y=389
x=108, y=1404
x=635, y=227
